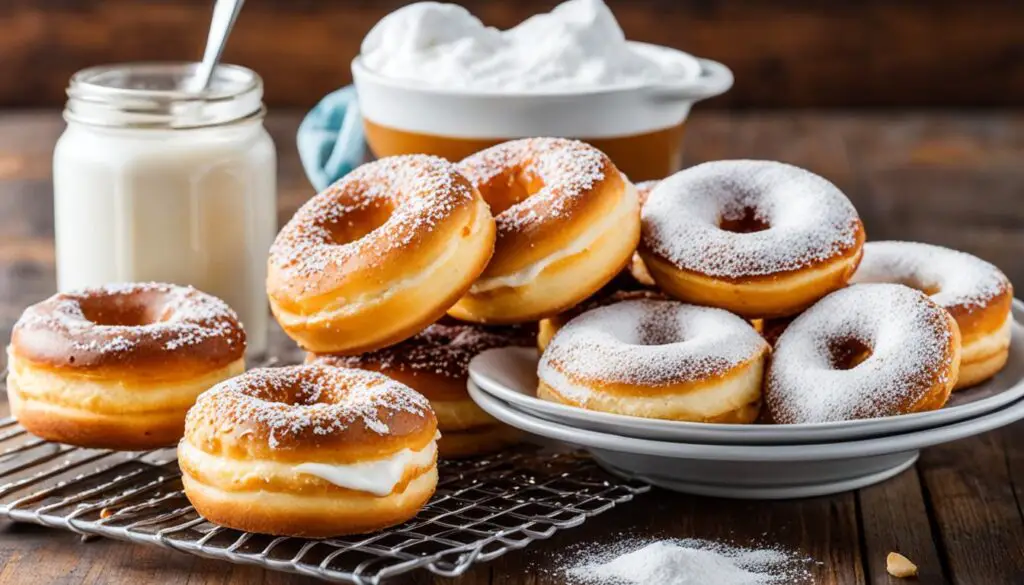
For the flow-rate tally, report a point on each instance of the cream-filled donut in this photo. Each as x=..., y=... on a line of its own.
x=568, y=222
x=435, y=363
x=379, y=255
x=866, y=351
x=118, y=366
x=309, y=450
x=758, y=238
x=657, y=359
x=976, y=293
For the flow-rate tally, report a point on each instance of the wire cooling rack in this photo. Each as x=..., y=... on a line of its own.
x=482, y=509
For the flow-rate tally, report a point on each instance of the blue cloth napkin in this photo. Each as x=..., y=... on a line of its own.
x=330, y=138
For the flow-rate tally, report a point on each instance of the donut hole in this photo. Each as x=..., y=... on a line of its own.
x=746, y=220
x=359, y=220
x=510, y=188
x=655, y=332
x=122, y=310
x=927, y=288
x=847, y=354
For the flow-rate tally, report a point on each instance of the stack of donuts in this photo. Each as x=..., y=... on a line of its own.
x=733, y=291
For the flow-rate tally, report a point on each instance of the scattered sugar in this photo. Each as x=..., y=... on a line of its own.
x=688, y=562
x=294, y=400
x=959, y=279
x=650, y=343
x=567, y=169
x=909, y=341
x=440, y=348
x=418, y=192
x=809, y=219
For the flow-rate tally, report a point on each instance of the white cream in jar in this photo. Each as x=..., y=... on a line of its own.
x=154, y=183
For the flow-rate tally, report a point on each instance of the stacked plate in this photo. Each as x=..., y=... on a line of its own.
x=747, y=461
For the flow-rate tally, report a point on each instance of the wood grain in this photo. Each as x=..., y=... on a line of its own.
x=791, y=53
x=949, y=178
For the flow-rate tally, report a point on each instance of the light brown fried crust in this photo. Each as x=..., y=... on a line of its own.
x=131, y=332
x=978, y=320
x=744, y=414
x=310, y=413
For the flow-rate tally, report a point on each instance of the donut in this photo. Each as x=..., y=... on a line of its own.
x=976, y=293
x=657, y=359
x=309, y=450
x=547, y=328
x=867, y=351
x=117, y=367
x=637, y=268
x=435, y=363
x=379, y=255
x=762, y=239
x=568, y=222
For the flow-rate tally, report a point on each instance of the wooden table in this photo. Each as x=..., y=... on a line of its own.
x=949, y=178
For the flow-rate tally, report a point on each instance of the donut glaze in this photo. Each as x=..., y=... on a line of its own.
x=867, y=351
x=435, y=363
x=657, y=359
x=976, y=293
x=762, y=239
x=567, y=221
x=309, y=450
x=379, y=255
x=118, y=366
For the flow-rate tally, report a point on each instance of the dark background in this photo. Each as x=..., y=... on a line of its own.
x=785, y=53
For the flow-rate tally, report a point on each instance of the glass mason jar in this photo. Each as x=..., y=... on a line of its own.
x=155, y=183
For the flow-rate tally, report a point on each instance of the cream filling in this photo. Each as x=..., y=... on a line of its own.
x=378, y=477
x=987, y=345
x=528, y=274
x=715, y=399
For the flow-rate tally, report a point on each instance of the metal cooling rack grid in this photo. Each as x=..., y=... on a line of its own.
x=483, y=508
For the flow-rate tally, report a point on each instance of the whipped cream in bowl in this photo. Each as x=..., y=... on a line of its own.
x=431, y=77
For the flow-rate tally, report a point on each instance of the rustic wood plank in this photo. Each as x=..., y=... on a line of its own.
x=785, y=53
x=894, y=518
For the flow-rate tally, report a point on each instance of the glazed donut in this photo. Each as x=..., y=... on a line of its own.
x=975, y=292
x=379, y=255
x=118, y=367
x=435, y=363
x=309, y=450
x=758, y=238
x=637, y=268
x=568, y=222
x=657, y=359
x=867, y=351
x=547, y=328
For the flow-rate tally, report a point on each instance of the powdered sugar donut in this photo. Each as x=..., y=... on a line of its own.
x=976, y=293
x=379, y=255
x=309, y=450
x=657, y=359
x=568, y=222
x=759, y=238
x=637, y=268
x=867, y=351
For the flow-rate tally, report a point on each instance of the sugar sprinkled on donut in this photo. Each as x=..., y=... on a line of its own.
x=908, y=340
x=958, y=279
x=806, y=220
x=649, y=343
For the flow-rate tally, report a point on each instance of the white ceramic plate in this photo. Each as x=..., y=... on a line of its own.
x=753, y=472
x=510, y=374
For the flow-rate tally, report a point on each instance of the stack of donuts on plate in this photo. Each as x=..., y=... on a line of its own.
x=729, y=290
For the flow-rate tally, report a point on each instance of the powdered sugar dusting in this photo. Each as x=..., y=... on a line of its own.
x=809, y=220
x=416, y=192
x=649, y=343
x=643, y=190
x=567, y=169
x=957, y=279
x=441, y=348
x=319, y=399
x=908, y=337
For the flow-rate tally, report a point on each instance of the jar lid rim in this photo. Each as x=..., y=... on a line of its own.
x=116, y=80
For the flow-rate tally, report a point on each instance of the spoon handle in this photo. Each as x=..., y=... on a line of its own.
x=225, y=12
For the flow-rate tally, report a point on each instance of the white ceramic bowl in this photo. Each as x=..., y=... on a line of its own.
x=510, y=374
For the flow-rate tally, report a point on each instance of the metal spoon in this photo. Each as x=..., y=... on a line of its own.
x=224, y=14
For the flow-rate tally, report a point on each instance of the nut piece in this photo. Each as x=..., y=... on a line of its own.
x=900, y=566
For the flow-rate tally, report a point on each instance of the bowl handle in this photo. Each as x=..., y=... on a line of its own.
x=715, y=79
